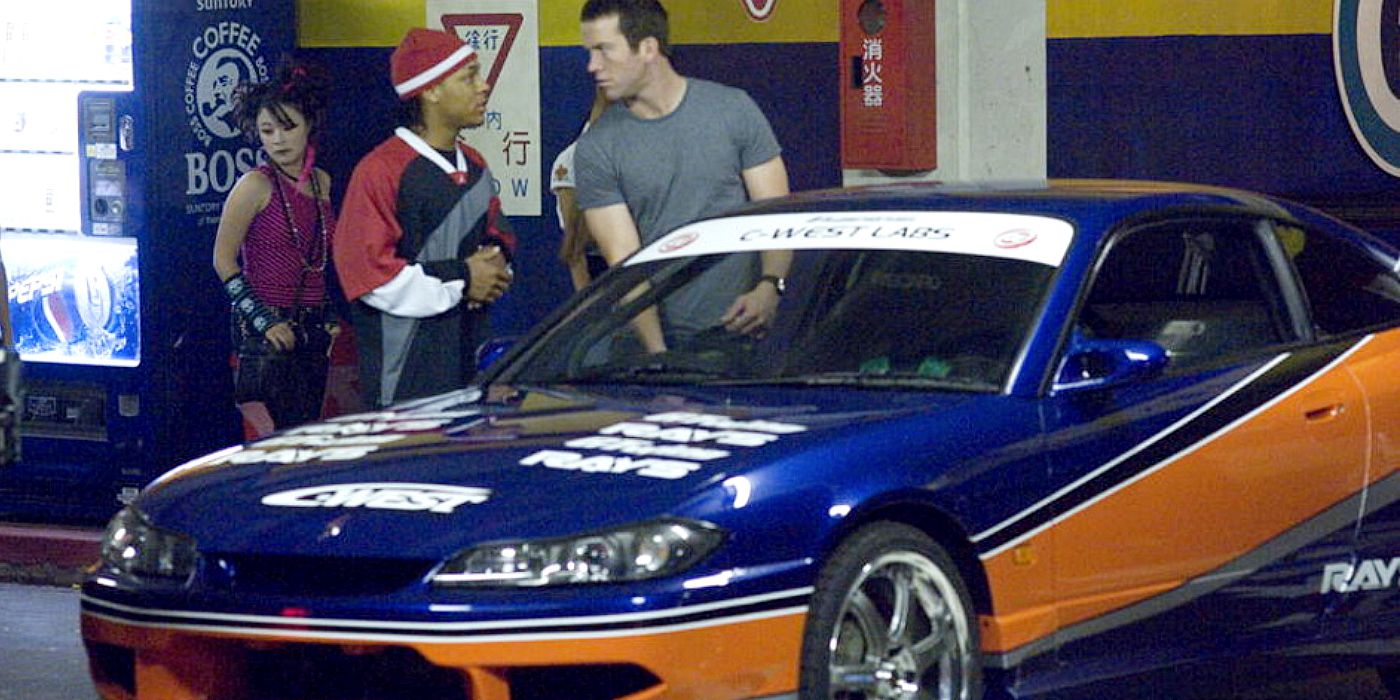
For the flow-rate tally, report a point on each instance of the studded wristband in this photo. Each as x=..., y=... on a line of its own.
x=240, y=294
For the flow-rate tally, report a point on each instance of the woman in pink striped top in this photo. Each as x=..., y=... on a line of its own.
x=272, y=255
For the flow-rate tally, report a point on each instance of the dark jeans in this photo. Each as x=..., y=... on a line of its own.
x=291, y=384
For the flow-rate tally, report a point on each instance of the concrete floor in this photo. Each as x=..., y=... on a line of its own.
x=39, y=645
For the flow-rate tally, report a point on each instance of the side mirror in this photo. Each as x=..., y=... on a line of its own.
x=492, y=350
x=1097, y=364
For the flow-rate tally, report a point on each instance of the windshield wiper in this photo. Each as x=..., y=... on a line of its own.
x=866, y=379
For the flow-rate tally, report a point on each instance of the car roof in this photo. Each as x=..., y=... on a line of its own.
x=1073, y=198
x=1093, y=206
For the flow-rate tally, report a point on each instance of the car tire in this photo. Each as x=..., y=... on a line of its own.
x=891, y=617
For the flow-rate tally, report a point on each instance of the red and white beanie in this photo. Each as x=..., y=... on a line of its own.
x=424, y=58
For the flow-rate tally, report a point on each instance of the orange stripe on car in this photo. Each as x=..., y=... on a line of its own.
x=1207, y=506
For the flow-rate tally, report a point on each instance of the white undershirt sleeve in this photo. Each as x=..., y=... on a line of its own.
x=415, y=294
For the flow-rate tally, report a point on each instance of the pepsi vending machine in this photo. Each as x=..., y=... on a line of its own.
x=117, y=148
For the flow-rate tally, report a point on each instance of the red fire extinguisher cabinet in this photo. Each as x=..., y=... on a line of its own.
x=888, y=85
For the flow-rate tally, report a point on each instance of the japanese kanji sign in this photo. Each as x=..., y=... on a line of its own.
x=505, y=34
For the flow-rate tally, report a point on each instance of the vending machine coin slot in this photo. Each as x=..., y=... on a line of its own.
x=106, y=183
x=126, y=133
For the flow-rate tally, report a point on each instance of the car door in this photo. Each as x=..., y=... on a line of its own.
x=1353, y=292
x=1198, y=504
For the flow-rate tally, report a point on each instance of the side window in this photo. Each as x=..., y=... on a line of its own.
x=1348, y=288
x=1200, y=288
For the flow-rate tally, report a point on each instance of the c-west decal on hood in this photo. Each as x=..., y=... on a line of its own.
x=432, y=498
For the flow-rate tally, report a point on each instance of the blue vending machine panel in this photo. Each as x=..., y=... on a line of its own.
x=117, y=153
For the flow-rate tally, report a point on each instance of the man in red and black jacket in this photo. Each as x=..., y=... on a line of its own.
x=421, y=247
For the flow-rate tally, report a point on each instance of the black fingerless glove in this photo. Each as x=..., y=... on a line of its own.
x=240, y=293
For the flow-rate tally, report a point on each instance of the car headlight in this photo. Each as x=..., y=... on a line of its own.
x=134, y=547
x=629, y=553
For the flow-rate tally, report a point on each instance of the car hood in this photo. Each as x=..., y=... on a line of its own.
x=428, y=478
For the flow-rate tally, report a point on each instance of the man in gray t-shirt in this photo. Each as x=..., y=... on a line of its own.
x=672, y=150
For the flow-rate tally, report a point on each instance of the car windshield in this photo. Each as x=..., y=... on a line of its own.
x=886, y=315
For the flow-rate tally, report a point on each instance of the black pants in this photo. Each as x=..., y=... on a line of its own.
x=291, y=384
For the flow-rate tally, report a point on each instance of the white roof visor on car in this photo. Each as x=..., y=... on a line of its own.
x=1014, y=236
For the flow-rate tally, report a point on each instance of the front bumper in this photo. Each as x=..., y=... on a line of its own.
x=736, y=649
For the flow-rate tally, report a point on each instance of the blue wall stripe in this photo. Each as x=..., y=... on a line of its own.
x=1260, y=112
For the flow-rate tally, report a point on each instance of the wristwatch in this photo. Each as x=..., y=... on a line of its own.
x=779, y=283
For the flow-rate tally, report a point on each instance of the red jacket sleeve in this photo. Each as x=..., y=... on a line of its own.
x=368, y=230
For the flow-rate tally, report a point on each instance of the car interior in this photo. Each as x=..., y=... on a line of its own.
x=1200, y=290
x=926, y=315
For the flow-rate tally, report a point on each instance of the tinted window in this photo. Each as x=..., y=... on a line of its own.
x=1202, y=289
x=1348, y=288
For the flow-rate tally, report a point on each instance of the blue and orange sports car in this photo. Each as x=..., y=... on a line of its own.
x=1056, y=440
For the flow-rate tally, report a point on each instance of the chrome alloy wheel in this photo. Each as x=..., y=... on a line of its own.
x=902, y=632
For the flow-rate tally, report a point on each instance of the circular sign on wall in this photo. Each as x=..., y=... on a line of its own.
x=1370, y=84
x=759, y=10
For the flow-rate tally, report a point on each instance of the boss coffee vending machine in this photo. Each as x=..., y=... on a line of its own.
x=117, y=148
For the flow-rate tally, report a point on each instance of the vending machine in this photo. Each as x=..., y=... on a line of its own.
x=117, y=148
